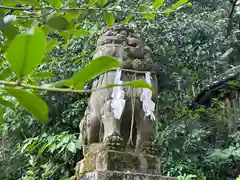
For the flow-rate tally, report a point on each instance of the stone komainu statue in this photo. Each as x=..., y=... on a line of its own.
x=117, y=115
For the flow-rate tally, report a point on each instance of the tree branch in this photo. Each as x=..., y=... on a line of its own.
x=76, y=9
x=229, y=28
x=58, y=9
x=26, y=86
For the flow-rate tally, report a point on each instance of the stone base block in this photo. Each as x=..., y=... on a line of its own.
x=109, y=160
x=116, y=175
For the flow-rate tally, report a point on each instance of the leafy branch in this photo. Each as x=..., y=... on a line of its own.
x=136, y=83
x=141, y=9
x=24, y=46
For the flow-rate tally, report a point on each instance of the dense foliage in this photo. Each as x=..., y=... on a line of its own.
x=187, y=46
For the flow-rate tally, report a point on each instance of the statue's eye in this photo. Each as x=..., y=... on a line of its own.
x=134, y=44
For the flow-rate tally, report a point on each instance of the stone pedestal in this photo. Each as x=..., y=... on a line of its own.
x=116, y=175
x=98, y=159
x=102, y=164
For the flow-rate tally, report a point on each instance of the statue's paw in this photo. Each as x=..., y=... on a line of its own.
x=150, y=148
x=114, y=142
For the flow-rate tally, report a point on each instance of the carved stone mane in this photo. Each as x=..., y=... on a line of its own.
x=121, y=42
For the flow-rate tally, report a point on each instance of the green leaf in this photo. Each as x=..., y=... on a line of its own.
x=26, y=51
x=79, y=32
x=102, y=2
x=66, y=82
x=6, y=103
x=51, y=44
x=44, y=75
x=127, y=19
x=55, y=3
x=1, y=115
x=142, y=8
x=176, y=6
x=93, y=69
x=65, y=35
x=5, y=73
x=28, y=2
x=72, y=147
x=149, y=16
x=46, y=60
x=158, y=3
x=91, y=2
x=108, y=18
x=179, y=3
x=92, y=14
x=9, y=30
x=58, y=22
x=31, y=103
x=136, y=84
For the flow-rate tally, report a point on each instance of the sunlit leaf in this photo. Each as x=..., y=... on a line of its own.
x=66, y=35
x=51, y=44
x=127, y=19
x=136, y=84
x=143, y=8
x=72, y=147
x=79, y=32
x=31, y=102
x=149, y=16
x=177, y=5
x=158, y=3
x=58, y=22
x=93, y=69
x=26, y=51
x=109, y=18
x=28, y=2
x=66, y=82
x=43, y=75
x=102, y=2
x=55, y=3
x=6, y=103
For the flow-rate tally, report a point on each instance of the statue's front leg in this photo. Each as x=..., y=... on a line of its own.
x=145, y=134
x=112, y=138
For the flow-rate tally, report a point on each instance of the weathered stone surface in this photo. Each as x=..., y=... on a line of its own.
x=115, y=175
x=110, y=160
x=100, y=123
